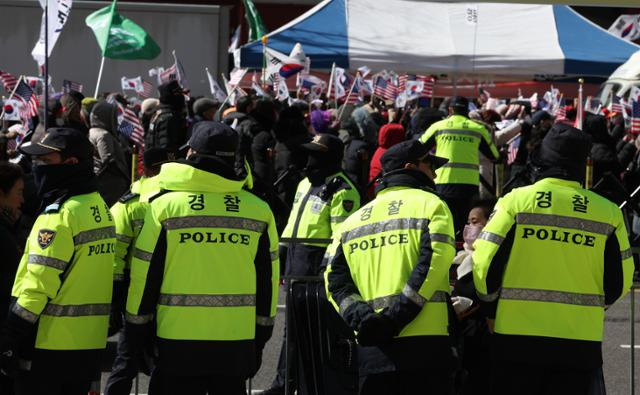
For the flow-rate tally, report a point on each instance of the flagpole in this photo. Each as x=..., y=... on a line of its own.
x=348, y=95
x=433, y=93
x=264, y=61
x=99, y=78
x=45, y=121
x=134, y=163
x=580, y=104
x=333, y=70
x=374, y=79
x=225, y=101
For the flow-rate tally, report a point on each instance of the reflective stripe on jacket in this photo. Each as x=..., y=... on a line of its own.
x=65, y=276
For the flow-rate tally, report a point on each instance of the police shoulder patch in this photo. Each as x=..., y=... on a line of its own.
x=128, y=196
x=348, y=205
x=52, y=208
x=45, y=237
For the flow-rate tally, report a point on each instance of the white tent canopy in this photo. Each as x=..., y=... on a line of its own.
x=413, y=36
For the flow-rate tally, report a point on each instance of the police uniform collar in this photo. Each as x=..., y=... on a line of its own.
x=183, y=176
x=560, y=181
x=406, y=178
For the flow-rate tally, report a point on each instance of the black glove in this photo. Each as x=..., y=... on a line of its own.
x=8, y=359
x=137, y=336
x=376, y=330
x=13, y=335
x=257, y=363
x=118, y=301
x=263, y=334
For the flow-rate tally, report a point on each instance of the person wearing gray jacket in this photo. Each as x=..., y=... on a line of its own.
x=109, y=161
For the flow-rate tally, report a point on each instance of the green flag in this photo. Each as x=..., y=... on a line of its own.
x=119, y=37
x=256, y=27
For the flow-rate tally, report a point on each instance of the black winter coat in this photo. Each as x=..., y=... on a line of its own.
x=167, y=129
x=290, y=157
x=11, y=246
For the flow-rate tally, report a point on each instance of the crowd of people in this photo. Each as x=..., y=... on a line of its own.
x=275, y=150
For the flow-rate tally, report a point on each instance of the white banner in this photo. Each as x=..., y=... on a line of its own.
x=58, y=12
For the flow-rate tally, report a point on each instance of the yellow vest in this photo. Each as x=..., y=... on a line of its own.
x=210, y=230
x=458, y=138
x=553, y=282
x=382, y=242
x=64, y=279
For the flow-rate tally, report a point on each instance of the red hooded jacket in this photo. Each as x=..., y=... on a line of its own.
x=389, y=135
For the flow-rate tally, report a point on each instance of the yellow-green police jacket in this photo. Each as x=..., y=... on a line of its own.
x=128, y=215
x=393, y=258
x=64, y=279
x=458, y=139
x=316, y=214
x=553, y=256
x=205, y=266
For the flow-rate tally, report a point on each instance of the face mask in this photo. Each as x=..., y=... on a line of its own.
x=470, y=234
x=316, y=176
x=61, y=176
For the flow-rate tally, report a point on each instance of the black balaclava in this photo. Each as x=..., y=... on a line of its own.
x=320, y=166
x=55, y=181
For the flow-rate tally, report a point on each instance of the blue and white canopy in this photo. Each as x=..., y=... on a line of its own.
x=415, y=36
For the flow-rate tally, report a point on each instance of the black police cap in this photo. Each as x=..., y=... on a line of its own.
x=155, y=156
x=67, y=142
x=564, y=146
x=459, y=102
x=410, y=151
x=214, y=138
x=324, y=143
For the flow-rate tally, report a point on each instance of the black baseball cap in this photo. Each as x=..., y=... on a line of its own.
x=409, y=151
x=66, y=141
x=214, y=138
x=325, y=143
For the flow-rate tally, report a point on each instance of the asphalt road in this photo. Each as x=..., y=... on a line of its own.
x=616, y=350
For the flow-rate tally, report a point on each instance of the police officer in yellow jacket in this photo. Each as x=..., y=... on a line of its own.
x=57, y=327
x=390, y=278
x=458, y=139
x=128, y=215
x=551, y=259
x=323, y=200
x=205, y=268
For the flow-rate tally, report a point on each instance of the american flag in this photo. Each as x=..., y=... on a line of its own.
x=8, y=81
x=147, y=89
x=616, y=106
x=513, y=150
x=235, y=77
x=129, y=125
x=429, y=83
x=27, y=96
x=169, y=74
x=635, y=117
x=68, y=86
x=385, y=89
